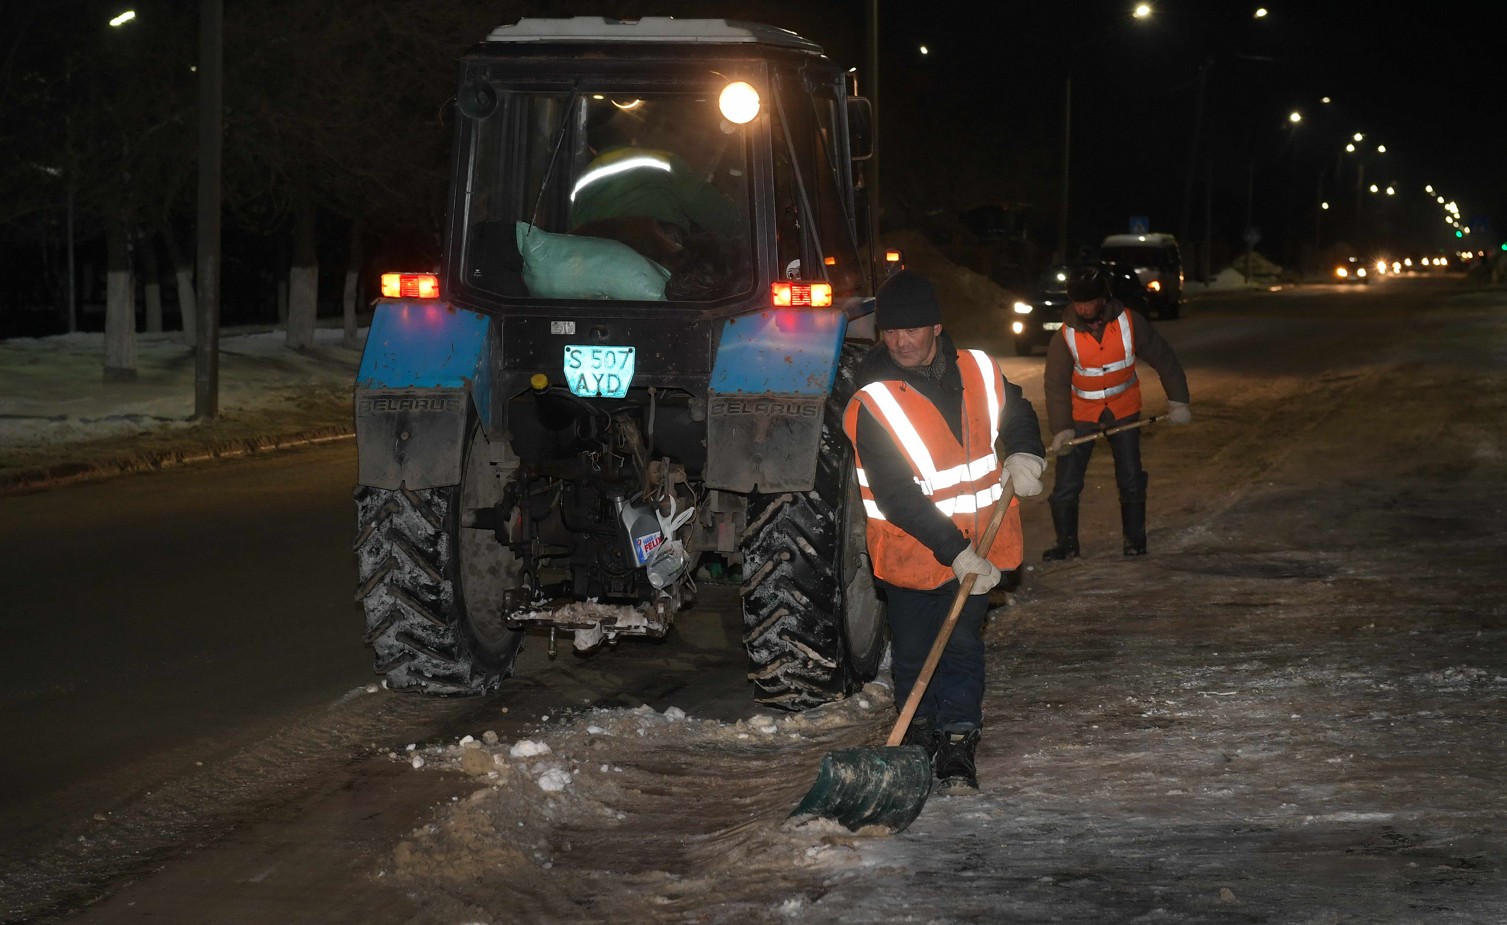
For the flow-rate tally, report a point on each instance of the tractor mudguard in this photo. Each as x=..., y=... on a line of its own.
x=424, y=364
x=770, y=380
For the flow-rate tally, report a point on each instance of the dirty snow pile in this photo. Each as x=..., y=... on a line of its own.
x=647, y=813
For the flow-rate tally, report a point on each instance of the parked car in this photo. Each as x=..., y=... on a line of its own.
x=1039, y=315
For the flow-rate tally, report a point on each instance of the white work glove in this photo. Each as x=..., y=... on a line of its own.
x=969, y=562
x=1060, y=440
x=1024, y=472
x=1178, y=412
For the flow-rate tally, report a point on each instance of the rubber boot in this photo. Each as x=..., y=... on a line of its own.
x=957, y=772
x=923, y=731
x=1065, y=522
x=1133, y=525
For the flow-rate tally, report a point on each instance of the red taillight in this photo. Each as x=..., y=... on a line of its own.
x=410, y=286
x=791, y=294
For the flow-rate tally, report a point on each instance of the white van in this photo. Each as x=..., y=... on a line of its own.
x=1157, y=261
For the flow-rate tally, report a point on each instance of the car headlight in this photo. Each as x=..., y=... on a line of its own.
x=1024, y=308
x=1341, y=272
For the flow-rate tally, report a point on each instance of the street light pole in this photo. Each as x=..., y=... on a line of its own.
x=873, y=94
x=1067, y=149
x=211, y=148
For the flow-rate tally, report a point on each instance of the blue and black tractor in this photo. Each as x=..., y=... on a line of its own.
x=631, y=363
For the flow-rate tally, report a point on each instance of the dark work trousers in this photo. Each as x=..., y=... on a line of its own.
x=1126, y=447
x=956, y=691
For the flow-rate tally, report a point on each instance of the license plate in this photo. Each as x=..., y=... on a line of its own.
x=1052, y=326
x=599, y=371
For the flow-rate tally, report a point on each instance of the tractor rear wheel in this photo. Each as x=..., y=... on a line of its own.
x=813, y=623
x=432, y=584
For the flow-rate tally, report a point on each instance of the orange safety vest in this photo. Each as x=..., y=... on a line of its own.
x=1104, y=371
x=962, y=480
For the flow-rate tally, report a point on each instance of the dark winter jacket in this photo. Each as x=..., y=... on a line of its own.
x=1150, y=348
x=890, y=478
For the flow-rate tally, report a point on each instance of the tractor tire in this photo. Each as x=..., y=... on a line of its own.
x=433, y=587
x=813, y=623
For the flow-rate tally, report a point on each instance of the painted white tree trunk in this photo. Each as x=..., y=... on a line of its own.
x=303, y=306
x=120, y=303
x=120, y=326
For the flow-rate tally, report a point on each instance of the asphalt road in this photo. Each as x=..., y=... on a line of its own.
x=183, y=688
x=183, y=654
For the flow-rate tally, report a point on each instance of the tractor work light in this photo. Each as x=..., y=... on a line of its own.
x=739, y=102
x=794, y=294
x=410, y=286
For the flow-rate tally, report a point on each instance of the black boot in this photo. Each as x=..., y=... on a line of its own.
x=1065, y=522
x=1133, y=525
x=956, y=771
x=923, y=731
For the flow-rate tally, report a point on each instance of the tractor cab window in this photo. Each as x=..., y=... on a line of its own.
x=609, y=193
x=813, y=193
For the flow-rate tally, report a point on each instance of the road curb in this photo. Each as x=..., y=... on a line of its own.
x=52, y=475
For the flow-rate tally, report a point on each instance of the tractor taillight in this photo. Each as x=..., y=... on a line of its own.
x=410, y=286
x=793, y=294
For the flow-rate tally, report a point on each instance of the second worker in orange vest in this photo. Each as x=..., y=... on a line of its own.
x=1091, y=383
x=935, y=432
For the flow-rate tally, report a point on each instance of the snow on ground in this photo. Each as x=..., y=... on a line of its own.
x=643, y=813
x=57, y=409
x=1289, y=712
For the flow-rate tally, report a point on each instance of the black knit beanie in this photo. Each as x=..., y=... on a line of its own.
x=907, y=300
x=1086, y=284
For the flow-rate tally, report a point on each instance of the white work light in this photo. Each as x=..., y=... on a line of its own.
x=739, y=102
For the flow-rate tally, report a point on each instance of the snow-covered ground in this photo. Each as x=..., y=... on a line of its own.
x=1289, y=712
x=59, y=417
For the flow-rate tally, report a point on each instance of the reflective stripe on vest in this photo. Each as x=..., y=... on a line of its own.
x=933, y=480
x=1081, y=371
x=959, y=476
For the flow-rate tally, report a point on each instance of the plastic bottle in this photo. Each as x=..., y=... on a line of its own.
x=644, y=535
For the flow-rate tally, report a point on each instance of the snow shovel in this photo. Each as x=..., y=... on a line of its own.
x=880, y=791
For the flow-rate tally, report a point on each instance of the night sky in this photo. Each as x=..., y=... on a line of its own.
x=1426, y=82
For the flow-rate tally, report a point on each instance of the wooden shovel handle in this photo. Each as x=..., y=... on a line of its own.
x=1107, y=432
x=945, y=633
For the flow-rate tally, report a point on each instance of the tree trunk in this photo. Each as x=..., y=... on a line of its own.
x=282, y=281
x=152, y=277
x=120, y=304
x=303, y=279
x=183, y=271
x=352, y=279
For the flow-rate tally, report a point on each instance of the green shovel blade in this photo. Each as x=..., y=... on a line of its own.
x=871, y=791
